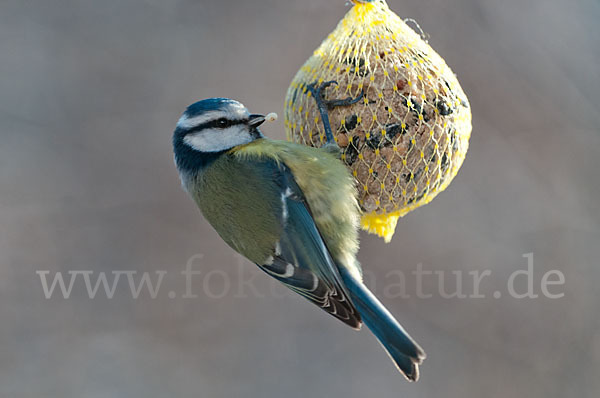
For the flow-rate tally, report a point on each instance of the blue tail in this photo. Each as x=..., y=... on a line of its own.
x=404, y=351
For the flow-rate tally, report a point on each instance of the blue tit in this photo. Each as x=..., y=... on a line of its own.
x=289, y=208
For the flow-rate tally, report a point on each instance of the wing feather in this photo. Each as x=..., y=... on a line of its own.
x=301, y=259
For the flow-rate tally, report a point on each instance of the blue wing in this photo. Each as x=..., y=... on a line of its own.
x=301, y=259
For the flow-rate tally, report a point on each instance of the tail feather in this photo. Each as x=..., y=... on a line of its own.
x=404, y=351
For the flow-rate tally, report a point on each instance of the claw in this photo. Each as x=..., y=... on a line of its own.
x=344, y=102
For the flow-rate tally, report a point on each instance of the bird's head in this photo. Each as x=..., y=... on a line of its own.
x=210, y=127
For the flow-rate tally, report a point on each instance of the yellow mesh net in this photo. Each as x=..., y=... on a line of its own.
x=405, y=140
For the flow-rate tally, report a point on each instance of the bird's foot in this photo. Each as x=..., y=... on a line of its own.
x=325, y=105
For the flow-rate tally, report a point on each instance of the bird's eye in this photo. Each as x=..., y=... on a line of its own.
x=222, y=122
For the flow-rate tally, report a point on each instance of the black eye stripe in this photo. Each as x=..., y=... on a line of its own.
x=216, y=124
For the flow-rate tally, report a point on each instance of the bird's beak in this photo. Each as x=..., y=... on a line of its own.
x=256, y=120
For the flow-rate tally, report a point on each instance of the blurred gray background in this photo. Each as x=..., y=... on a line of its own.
x=90, y=92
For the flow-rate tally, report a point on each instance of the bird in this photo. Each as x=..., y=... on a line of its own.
x=290, y=209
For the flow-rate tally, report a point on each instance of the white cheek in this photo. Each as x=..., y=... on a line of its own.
x=215, y=140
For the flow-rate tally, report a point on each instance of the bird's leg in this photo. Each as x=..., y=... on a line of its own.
x=325, y=105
